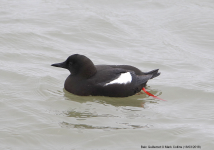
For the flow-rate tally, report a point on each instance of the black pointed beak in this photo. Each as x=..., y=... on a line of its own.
x=62, y=65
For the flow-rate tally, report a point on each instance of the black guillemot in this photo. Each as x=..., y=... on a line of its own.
x=103, y=80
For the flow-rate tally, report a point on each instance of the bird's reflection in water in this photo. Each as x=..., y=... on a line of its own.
x=85, y=126
x=108, y=110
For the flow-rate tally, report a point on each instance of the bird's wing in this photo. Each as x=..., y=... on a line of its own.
x=111, y=76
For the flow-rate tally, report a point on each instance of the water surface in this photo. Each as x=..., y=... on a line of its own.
x=175, y=36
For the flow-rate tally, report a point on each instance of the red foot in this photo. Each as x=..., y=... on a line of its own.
x=151, y=94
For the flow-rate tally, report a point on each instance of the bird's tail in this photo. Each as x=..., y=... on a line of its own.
x=154, y=73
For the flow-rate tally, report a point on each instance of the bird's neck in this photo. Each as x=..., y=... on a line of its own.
x=88, y=71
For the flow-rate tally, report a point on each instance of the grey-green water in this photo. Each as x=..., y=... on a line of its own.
x=175, y=36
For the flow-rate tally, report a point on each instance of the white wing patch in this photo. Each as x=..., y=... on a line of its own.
x=124, y=78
